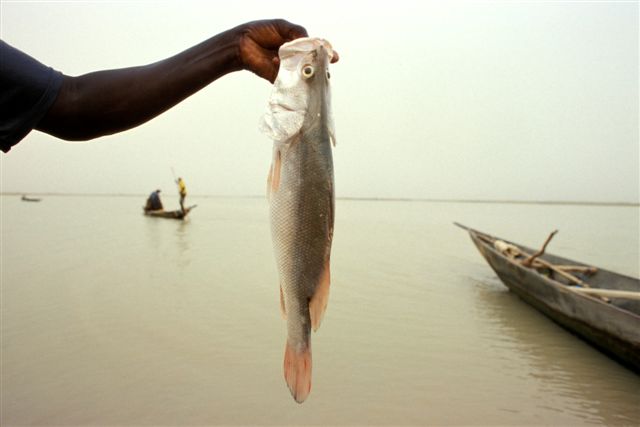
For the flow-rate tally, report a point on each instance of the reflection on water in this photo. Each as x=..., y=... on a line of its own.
x=183, y=245
x=164, y=236
x=114, y=318
x=561, y=366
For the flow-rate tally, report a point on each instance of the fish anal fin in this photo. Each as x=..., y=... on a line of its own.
x=297, y=370
x=318, y=303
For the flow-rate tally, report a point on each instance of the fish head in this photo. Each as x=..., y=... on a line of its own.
x=301, y=93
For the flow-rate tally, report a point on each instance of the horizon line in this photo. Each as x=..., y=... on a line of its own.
x=354, y=198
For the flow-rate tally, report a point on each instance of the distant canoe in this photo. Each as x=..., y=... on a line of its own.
x=177, y=214
x=600, y=306
x=30, y=199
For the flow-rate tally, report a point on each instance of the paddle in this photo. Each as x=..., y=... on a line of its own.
x=174, y=175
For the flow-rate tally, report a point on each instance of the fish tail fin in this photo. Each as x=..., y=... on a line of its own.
x=297, y=370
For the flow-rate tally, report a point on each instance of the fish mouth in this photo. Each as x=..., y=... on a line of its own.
x=285, y=107
x=303, y=45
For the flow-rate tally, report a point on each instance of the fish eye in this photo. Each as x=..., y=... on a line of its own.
x=307, y=71
x=328, y=74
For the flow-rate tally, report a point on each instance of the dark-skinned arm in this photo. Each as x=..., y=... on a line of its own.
x=111, y=101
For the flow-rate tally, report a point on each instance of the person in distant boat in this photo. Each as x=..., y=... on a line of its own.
x=153, y=202
x=35, y=96
x=182, y=189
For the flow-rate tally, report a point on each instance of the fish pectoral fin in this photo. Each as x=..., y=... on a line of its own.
x=283, y=310
x=318, y=303
x=273, y=182
x=269, y=178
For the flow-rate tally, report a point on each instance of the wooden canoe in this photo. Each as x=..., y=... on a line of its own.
x=30, y=199
x=600, y=306
x=177, y=214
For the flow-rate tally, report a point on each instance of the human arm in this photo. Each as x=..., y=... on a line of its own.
x=111, y=101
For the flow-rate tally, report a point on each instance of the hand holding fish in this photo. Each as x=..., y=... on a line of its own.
x=105, y=102
x=260, y=41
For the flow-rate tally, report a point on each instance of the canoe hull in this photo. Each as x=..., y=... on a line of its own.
x=177, y=214
x=613, y=330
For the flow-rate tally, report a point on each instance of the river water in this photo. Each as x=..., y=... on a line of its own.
x=113, y=318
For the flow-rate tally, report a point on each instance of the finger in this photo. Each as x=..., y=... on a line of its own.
x=298, y=32
x=269, y=68
x=261, y=61
x=276, y=67
x=290, y=31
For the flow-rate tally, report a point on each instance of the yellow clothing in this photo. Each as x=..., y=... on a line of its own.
x=182, y=187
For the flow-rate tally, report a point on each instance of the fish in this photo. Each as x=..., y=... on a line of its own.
x=300, y=189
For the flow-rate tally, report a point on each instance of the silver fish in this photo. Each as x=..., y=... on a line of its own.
x=301, y=196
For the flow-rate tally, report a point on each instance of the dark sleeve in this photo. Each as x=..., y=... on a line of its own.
x=27, y=91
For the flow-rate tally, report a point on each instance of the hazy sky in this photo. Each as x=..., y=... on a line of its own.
x=474, y=100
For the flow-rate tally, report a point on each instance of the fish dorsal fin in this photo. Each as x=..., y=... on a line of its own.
x=318, y=303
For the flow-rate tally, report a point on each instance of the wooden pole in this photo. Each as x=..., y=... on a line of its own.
x=578, y=268
x=529, y=261
x=612, y=293
x=570, y=277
